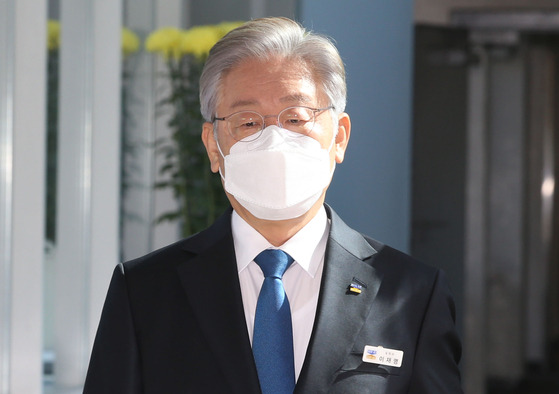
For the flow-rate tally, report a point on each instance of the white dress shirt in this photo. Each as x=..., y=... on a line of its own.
x=301, y=280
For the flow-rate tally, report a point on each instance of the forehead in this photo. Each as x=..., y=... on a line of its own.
x=260, y=83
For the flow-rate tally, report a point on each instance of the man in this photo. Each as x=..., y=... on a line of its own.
x=193, y=317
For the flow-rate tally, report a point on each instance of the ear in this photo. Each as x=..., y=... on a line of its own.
x=342, y=138
x=210, y=143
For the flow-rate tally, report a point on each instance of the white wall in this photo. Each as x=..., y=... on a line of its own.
x=22, y=152
x=88, y=179
x=89, y=153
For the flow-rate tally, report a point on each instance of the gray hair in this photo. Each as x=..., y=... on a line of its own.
x=267, y=37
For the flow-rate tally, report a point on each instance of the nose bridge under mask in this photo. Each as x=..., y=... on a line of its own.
x=275, y=137
x=272, y=137
x=273, y=122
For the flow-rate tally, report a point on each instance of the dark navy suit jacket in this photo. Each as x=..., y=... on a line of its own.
x=173, y=322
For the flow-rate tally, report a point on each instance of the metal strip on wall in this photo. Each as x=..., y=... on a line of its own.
x=6, y=174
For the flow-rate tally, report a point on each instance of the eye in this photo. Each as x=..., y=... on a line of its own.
x=246, y=121
x=294, y=121
x=295, y=116
x=249, y=125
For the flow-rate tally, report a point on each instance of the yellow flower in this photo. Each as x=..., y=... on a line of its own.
x=53, y=35
x=199, y=40
x=226, y=27
x=129, y=41
x=165, y=41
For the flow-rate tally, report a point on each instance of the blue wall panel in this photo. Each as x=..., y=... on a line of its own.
x=371, y=189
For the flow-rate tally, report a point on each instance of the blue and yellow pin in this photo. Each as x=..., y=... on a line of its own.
x=356, y=287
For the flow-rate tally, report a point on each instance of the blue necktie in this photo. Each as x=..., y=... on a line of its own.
x=272, y=343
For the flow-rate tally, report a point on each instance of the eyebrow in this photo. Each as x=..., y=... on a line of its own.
x=292, y=98
x=297, y=98
x=243, y=103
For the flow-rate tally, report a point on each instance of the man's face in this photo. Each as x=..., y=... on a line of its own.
x=268, y=87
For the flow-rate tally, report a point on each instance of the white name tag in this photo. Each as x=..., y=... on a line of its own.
x=383, y=356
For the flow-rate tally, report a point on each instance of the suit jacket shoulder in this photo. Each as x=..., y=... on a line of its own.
x=173, y=322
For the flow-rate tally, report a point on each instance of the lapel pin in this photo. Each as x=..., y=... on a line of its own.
x=356, y=287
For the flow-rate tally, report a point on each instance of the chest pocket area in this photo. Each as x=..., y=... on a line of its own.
x=355, y=365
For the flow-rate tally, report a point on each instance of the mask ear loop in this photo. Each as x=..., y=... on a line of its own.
x=220, y=152
x=336, y=128
x=333, y=140
x=335, y=134
x=334, y=164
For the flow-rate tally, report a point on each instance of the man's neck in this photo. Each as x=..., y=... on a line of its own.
x=277, y=232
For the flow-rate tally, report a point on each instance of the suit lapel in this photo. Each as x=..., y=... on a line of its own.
x=210, y=281
x=340, y=313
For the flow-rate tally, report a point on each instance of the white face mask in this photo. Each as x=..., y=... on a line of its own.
x=278, y=176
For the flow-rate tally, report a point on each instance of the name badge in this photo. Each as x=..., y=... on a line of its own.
x=383, y=356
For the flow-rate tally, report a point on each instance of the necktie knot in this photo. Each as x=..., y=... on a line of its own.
x=273, y=262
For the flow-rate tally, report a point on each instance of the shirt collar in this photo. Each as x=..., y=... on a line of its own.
x=306, y=247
